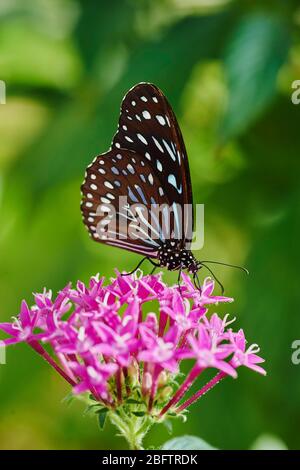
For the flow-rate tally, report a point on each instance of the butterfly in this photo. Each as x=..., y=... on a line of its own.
x=138, y=195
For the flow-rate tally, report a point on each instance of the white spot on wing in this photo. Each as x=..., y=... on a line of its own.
x=108, y=185
x=150, y=178
x=161, y=119
x=142, y=139
x=169, y=150
x=115, y=170
x=130, y=168
x=173, y=182
x=158, y=144
x=146, y=114
x=178, y=157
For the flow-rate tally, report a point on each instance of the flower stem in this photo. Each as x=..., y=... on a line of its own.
x=119, y=385
x=127, y=387
x=212, y=383
x=42, y=352
x=194, y=373
x=155, y=375
x=132, y=428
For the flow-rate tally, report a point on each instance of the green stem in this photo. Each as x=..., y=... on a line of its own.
x=133, y=429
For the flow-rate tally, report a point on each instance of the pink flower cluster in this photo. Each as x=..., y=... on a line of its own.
x=107, y=340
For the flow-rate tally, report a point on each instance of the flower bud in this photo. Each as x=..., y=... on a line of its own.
x=147, y=382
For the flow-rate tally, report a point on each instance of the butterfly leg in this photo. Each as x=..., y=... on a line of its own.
x=197, y=283
x=156, y=265
x=178, y=280
x=153, y=270
x=137, y=267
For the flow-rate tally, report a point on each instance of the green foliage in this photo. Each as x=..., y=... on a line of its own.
x=101, y=415
x=257, y=49
x=186, y=443
x=67, y=65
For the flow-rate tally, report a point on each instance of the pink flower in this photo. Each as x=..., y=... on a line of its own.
x=93, y=377
x=21, y=329
x=245, y=357
x=102, y=342
x=159, y=350
x=208, y=352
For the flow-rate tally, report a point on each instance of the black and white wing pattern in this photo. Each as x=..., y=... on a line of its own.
x=138, y=195
x=120, y=196
x=148, y=126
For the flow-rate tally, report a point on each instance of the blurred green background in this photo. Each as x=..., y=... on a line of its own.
x=227, y=68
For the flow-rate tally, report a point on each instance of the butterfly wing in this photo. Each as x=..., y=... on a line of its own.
x=125, y=205
x=148, y=126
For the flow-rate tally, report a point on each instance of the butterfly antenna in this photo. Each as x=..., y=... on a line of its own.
x=197, y=284
x=227, y=264
x=215, y=278
x=178, y=282
x=137, y=267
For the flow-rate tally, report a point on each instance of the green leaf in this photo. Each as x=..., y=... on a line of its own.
x=102, y=410
x=96, y=408
x=172, y=414
x=68, y=398
x=139, y=414
x=257, y=49
x=268, y=442
x=102, y=417
x=131, y=401
x=168, y=425
x=187, y=443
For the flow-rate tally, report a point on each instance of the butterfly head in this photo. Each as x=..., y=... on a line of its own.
x=195, y=266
